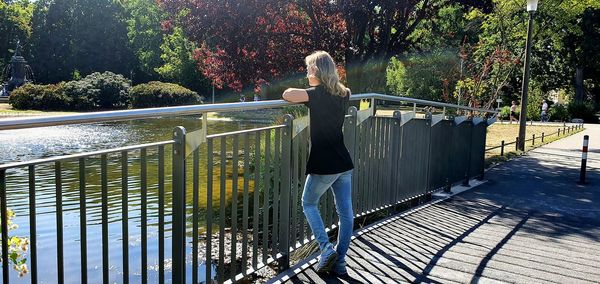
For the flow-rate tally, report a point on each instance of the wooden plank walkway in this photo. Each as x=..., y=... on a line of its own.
x=531, y=223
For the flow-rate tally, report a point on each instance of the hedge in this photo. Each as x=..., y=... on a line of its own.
x=159, y=94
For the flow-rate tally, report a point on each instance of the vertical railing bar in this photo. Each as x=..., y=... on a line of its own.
x=265, y=207
x=161, y=214
x=234, y=205
x=284, y=236
x=380, y=161
x=59, y=223
x=104, y=189
x=4, y=221
x=361, y=169
x=245, y=200
x=209, y=209
x=83, y=220
x=32, y=225
x=391, y=159
x=195, y=205
x=302, y=149
x=276, y=186
x=222, y=217
x=178, y=206
x=144, y=213
x=370, y=160
x=304, y=157
x=294, y=191
x=377, y=160
x=256, y=209
x=4, y=216
x=125, y=213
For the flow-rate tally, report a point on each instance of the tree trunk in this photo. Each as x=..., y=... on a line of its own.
x=579, y=92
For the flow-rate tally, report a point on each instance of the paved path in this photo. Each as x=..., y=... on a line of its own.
x=530, y=223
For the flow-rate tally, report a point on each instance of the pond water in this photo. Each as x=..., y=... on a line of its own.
x=29, y=144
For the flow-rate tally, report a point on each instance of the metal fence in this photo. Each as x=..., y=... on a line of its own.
x=252, y=214
x=542, y=139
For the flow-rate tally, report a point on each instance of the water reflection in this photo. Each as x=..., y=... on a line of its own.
x=30, y=144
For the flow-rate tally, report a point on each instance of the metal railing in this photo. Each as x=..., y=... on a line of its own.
x=565, y=130
x=250, y=181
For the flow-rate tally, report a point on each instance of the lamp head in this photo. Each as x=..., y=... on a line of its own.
x=532, y=5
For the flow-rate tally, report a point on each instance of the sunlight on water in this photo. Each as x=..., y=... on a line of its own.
x=30, y=144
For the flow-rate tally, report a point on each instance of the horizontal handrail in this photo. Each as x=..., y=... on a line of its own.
x=417, y=101
x=118, y=115
x=83, y=155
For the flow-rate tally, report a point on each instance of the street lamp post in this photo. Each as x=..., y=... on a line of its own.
x=531, y=8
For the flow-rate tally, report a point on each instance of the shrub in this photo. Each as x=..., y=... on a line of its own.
x=159, y=94
x=41, y=97
x=99, y=90
x=558, y=112
x=429, y=77
x=583, y=111
x=505, y=112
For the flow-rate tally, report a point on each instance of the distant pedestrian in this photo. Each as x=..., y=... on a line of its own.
x=545, y=111
x=242, y=98
x=513, y=112
x=329, y=162
x=256, y=97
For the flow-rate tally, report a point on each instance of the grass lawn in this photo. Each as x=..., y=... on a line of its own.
x=7, y=112
x=508, y=132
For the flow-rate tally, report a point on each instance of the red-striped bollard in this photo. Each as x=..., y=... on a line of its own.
x=584, y=151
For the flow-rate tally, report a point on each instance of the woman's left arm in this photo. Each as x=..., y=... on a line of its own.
x=295, y=95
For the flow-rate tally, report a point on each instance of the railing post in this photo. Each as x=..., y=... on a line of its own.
x=374, y=105
x=179, y=219
x=543, y=137
x=584, y=151
x=533, y=140
x=517, y=144
x=502, y=148
x=286, y=187
x=350, y=131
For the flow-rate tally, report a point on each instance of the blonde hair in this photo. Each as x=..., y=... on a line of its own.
x=325, y=70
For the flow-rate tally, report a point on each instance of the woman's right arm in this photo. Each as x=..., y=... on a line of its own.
x=295, y=95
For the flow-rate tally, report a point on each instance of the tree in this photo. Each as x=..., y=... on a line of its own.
x=179, y=65
x=253, y=42
x=14, y=26
x=144, y=20
x=79, y=36
x=425, y=76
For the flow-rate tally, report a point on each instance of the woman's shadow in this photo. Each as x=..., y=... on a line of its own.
x=332, y=278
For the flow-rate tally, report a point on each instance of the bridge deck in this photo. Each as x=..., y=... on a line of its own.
x=530, y=223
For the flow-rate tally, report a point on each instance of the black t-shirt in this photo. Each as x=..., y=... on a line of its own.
x=328, y=154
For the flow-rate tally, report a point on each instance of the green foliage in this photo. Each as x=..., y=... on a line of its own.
x=583, y=111
x=534, y=104
x=84, y=35
x=452, y=26
x=143, y=31
x=15, y=24
x=40, y=97
x=179, y=65
x=158, y=94
x=17, y=247
x=99, y=90
x=429, y=77
x=559, y=112
x=505, y=112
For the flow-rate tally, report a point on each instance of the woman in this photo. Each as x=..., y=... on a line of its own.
x=329, y=163
x=513, y=112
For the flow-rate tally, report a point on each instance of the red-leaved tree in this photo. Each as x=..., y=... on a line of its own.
x=251, y=42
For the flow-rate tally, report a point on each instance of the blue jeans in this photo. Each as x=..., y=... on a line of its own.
x=314, y=188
